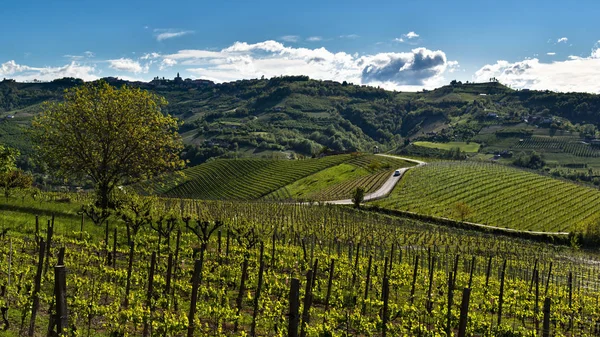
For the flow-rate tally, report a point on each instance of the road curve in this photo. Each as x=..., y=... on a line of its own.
x=387, y=187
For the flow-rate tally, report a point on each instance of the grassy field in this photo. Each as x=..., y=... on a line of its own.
x=338, y=182
x=463, y=146
x=496, y=195
x=314, y=183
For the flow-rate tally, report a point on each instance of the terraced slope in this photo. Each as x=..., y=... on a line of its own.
x=339, y=182
x=495, y=195
x=243, y=179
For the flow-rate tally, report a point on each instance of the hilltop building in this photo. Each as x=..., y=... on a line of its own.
x=179, y=82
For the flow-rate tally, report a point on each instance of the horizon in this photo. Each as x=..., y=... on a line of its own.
x=265, y=79
x=402, y=47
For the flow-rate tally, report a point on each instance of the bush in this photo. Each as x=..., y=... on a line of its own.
x=358, y=197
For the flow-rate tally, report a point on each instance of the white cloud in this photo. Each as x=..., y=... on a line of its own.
x=164, y=34
x=129, y=65
x=411, y=35
x=12, y=67
x=562, y=39
x=574, y=74
x=26, y=73
x=290, y=38
x=551, y=53
x=406, y=37
x=314, y=39
x=149, y=56
x=412, y=70
x=86, y=54
x=167, y=63
x=349, y=36
x=453, y=66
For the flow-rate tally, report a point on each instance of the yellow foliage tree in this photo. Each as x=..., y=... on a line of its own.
x=112, y=135
x=463, y=210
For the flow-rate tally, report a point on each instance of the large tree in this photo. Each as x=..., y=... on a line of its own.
x=15, y=180
x=8, y=158
x=10, y=176
x=112, y=135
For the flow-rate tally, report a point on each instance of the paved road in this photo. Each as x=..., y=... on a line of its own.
x=387, y=187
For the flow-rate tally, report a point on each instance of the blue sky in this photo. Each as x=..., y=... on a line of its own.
x=397, y=44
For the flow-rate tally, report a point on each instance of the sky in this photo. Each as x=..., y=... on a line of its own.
x=397, y=45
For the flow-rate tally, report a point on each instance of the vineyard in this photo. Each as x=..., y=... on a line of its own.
x=367, y=171
x=241, y=179
x=560, y=145
x=495, y=195
x=239, y=269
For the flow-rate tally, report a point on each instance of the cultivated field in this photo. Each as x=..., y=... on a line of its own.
x=495, y=195
x=339, y=182
x=244, y=266
x=463, y=146
x=240, y=179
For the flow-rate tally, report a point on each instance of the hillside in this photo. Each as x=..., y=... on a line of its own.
x=295, y=116
x=240, y=179
x=328, y=178
x=496, y=195
x=339, y=182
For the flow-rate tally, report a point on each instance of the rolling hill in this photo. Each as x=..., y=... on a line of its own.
x=328, y=178
x=339, y=182
x=496, y=195
x=240, y=179
x=294, y=116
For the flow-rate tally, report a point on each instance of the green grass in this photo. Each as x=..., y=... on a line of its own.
x=463, y=146
x=314, y=183
x=496, y=195
x=18, y=213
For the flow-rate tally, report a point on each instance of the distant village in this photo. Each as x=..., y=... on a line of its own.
x=163, y=83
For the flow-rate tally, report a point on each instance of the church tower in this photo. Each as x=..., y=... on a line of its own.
x=178, y=79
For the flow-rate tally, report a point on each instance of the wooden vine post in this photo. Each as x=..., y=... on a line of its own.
x=294, y=314
x=194, y=298
x=307, y=303
x=464, y=313
x=414, y=280
x=329, y=284
x=37, y=285
x=501, y=296
x=385, y=315
x=449, y=309
x=546, y=327
x=261, y=270
x=60, y=288
x=149, y=294
x=367, y=285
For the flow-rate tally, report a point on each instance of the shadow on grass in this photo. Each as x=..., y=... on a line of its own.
x=38, y=211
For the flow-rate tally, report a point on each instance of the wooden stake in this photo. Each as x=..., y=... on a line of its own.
x=194, y=298
x=464, y=313
x=294, y=314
